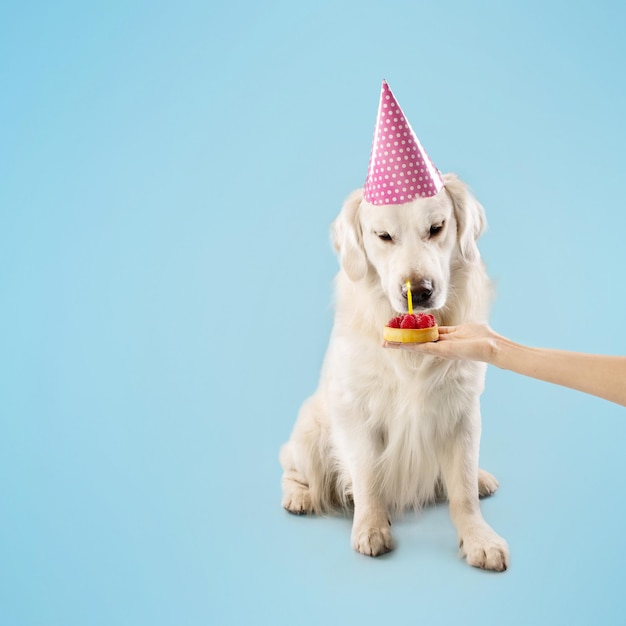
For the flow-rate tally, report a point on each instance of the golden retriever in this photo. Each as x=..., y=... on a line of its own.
x=388, y=430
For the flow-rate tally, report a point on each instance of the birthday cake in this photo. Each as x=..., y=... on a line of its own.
x=411, y=328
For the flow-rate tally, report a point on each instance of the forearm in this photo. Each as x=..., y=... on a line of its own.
x=603, y=376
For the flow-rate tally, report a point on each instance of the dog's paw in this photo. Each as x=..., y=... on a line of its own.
x=297, y=498
x=485, y=549
x=372, y=541
x=487, y=483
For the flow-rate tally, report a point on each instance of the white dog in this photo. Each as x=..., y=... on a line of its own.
x=388, y=429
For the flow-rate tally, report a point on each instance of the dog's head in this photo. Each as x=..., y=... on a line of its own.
x=421, y=242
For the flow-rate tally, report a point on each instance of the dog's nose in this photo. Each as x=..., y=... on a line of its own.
x=421, y=291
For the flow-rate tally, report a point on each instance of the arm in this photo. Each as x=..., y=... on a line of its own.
x=598, y=375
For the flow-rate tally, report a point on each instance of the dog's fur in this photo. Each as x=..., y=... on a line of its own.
x=387, y=429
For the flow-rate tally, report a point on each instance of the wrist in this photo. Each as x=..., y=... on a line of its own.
x=498, y=348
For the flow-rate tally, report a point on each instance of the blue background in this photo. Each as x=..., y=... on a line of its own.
x=168, y=175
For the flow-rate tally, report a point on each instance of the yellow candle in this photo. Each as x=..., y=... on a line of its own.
x=409, y=297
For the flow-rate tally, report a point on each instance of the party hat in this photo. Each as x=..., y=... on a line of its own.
x=399, y=170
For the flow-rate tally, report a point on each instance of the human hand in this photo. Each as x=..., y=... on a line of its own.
x=473, y=342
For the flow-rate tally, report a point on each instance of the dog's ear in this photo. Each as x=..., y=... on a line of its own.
x=470, y=216
x=347, y=238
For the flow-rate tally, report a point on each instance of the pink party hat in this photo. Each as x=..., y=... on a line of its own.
x=399, y=170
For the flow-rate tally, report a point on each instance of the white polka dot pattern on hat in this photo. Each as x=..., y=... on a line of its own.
x=399, y=169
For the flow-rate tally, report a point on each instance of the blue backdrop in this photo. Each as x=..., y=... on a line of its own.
x=168, y=175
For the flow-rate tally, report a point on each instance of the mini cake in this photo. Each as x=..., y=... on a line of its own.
x=411, y=328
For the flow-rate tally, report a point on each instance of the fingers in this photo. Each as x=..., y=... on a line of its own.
x=391, y=344
x=447, y=330
x=429, y=346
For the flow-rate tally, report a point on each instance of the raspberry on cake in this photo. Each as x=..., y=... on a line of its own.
x=395, y=322
x=409, y=321
x=425, y=320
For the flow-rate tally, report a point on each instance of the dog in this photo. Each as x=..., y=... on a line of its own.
x=391, y=430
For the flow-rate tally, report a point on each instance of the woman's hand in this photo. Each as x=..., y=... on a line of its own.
x=473, y=342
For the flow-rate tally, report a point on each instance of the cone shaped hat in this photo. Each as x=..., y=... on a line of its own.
x=399, y=169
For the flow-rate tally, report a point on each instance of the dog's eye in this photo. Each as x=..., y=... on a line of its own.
x=435, y=229
x=385, y=236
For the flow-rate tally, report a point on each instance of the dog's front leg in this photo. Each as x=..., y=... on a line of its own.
x=371, y=527
x=479, y=543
